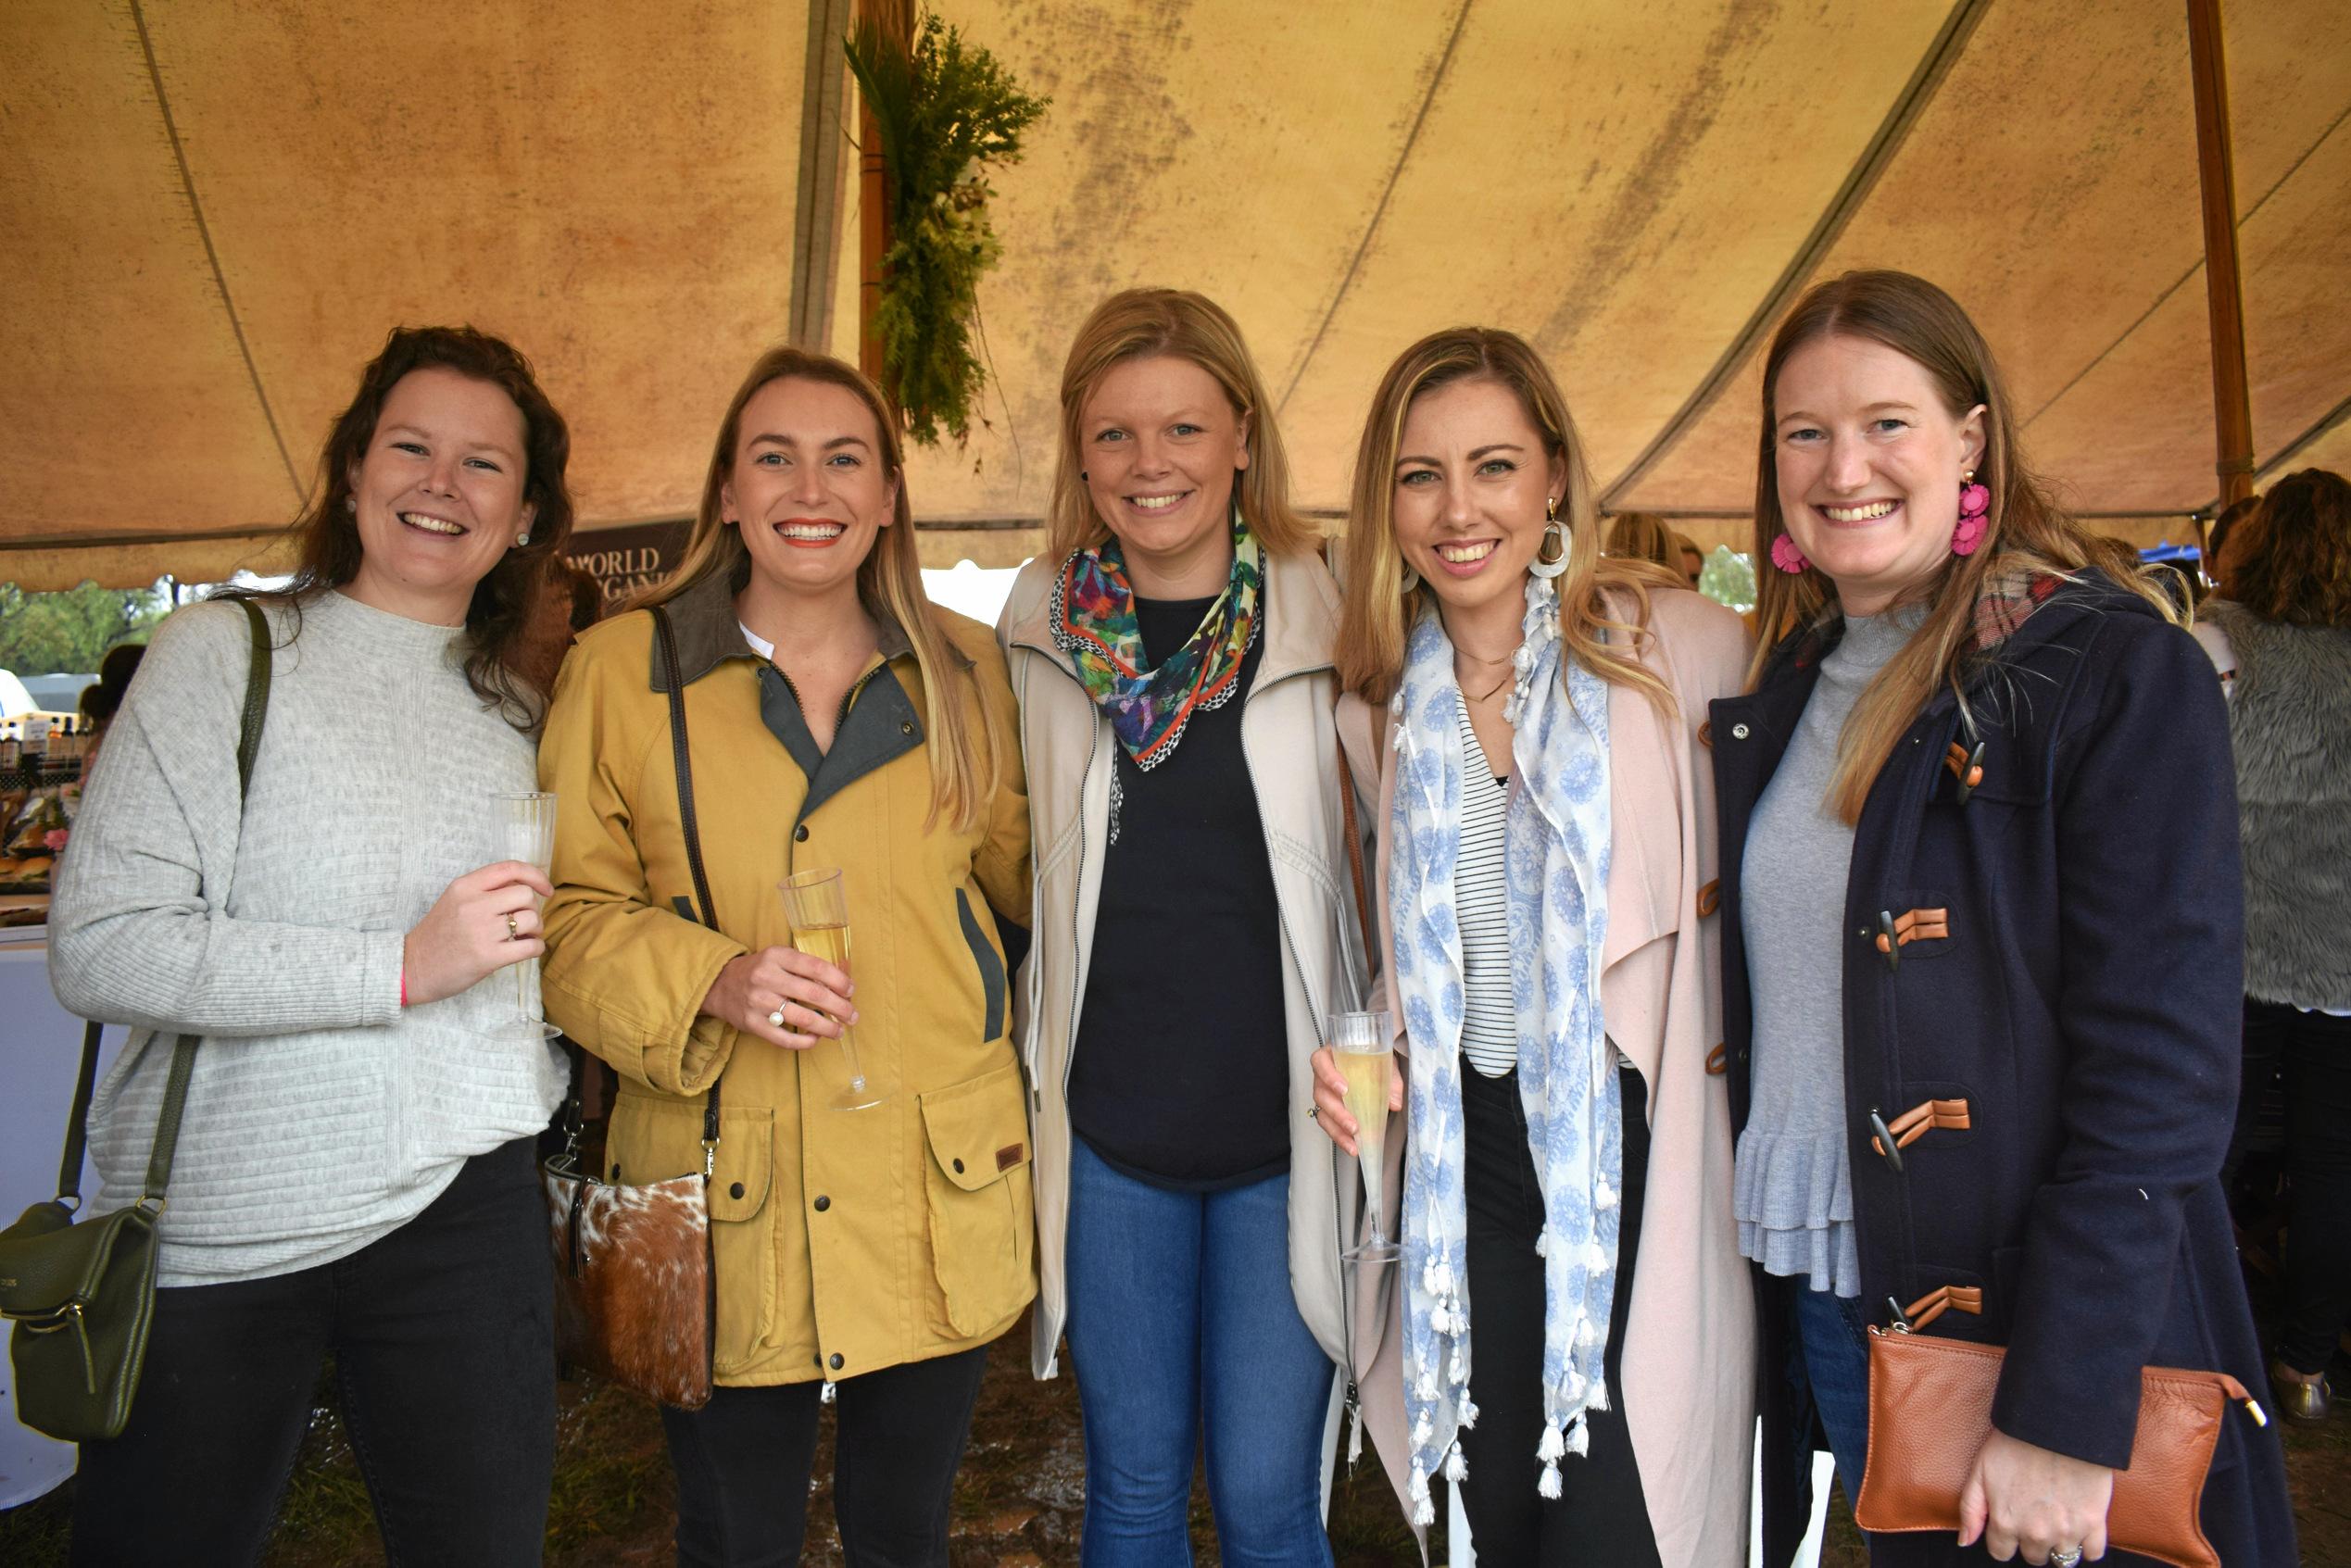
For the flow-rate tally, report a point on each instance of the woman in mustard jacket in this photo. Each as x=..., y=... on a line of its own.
x=835, y=717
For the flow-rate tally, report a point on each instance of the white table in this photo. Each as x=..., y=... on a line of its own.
x=40, y=1045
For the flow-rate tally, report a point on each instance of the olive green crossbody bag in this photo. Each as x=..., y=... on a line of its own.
x=82, y=1296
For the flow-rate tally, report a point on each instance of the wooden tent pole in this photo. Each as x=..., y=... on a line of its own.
x=2232, y=408
x=895, y=19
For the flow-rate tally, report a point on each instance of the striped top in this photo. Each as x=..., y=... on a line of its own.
x=1481, y=904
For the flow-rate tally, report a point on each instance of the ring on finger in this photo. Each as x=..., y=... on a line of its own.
x=513, y=932
x=777, y=1018
x=2066, y=1558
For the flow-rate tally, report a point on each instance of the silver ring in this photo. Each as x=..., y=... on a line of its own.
x=513, y=932
x=777, y=1018
x=2065, y=1559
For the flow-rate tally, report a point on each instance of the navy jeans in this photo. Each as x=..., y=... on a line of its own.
x=443, y=1335
x=1180, y=1315
x=1833, y=1344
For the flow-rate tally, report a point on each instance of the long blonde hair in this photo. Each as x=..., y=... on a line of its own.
x=2027, y=534
x=1379, y=611
x=1142, y=324
x=965, y=771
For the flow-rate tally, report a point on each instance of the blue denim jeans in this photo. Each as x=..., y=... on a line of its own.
x=1833, y=1338
x=1180, y=1316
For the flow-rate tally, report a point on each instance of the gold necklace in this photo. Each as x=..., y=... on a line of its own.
x=1497, y=686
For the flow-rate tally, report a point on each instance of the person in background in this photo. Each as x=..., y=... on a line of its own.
x=1643, y=536
x=2217, y=536
x=103, y=698
x=1979, y=1033
x=355, y=1174
x=1692, y=559
x=1171, y=650
x=835, y=720
x=1572, y=1342
x=2280, y=634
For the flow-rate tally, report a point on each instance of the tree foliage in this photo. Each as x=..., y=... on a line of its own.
x=946, y=113
x=69, y=631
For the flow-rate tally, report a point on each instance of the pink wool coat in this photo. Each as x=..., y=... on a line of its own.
x=1689, y=1358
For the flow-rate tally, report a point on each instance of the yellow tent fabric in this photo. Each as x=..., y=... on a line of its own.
x=212, y=214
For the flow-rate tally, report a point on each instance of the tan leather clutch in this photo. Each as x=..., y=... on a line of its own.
x=1930, y=1410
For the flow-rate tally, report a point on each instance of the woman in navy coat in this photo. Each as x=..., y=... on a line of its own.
x=1982, y=946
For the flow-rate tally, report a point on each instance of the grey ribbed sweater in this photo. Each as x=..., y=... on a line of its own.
x=1792, y=1179
x=321, y=1115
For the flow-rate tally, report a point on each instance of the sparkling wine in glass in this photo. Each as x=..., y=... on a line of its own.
x=816, y=903
x=1360, y=1044
x=526, y=833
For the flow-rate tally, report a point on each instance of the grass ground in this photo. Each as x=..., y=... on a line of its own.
x=1019, y=1498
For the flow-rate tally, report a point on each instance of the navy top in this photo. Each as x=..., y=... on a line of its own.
x=1180, y=1076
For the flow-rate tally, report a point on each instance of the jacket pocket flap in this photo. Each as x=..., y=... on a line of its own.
x=978, y=1129
x=655, y=1138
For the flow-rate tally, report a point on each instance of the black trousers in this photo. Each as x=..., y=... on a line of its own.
x=442, y=1335
x=1601, y=1516
x=743, y=1463
x=2314, y=1052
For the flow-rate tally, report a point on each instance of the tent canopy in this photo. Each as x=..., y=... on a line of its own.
x=214, y=214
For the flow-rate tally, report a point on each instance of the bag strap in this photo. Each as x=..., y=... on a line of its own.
x=1354, y=846
x=683, y=759
x=175, y=1089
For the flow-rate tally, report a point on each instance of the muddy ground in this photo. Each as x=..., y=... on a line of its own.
x=1019, y=1498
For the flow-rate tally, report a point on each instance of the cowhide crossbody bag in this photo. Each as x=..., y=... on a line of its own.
x=634, y=1299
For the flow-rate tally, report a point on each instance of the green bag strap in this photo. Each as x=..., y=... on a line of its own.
x=183, y=1047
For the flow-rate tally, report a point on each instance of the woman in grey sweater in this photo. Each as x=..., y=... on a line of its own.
x=355, y=1161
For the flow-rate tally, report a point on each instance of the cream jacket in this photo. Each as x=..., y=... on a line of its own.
x=1289, y=736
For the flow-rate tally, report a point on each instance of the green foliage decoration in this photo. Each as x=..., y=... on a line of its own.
x=947, y=112
x=1729, y=577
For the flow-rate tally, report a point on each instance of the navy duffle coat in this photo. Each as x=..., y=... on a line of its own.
x=2066, y=961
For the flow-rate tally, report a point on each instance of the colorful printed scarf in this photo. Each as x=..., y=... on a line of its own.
x=1556, y=853
x=1093, y=620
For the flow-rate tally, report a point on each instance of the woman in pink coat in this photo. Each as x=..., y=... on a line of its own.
x=1545, y=847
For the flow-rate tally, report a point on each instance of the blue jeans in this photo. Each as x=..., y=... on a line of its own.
x=1833, y=1338
x=1180, y=1314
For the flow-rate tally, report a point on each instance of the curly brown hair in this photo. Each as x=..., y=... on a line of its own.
x=2291, y=558
x=326, y=536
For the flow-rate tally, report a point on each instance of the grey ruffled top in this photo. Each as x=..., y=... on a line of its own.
x=1793, y=1180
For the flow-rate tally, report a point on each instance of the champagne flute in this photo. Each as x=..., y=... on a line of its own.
x=1360, y=1044
x=526, y=833
x=816, y=903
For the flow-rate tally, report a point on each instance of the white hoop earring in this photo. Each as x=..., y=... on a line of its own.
x=1411, y=579
x=1555, y=541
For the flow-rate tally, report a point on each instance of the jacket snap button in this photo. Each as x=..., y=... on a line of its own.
x=616, y=1169
x=1738, y=732
x=836, y=1361
x=735, y=1189
x=906, y=726
x=959, y=1167
x=799, y=834
x=823, y=1203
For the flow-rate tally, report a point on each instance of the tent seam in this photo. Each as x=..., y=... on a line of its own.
x=211, y=253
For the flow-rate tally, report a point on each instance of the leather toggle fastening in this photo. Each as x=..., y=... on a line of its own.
x=1710, y=897
x=1950, y=1115
x=1965, y=1298
x=1967, y=767
x=1915, y=925
x=1718, y=1061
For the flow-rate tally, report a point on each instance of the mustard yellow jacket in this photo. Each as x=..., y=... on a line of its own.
x=844, y=1241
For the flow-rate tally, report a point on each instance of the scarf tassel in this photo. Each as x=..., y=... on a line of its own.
x=1456, y=1467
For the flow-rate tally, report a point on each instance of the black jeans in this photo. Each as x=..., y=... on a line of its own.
x=2314, y=1051
x=743, y=1462
x=442, y=1335
x=1601, y=1515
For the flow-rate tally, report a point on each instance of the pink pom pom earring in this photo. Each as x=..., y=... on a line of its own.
x=1786, y=557
x=1975, y=521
